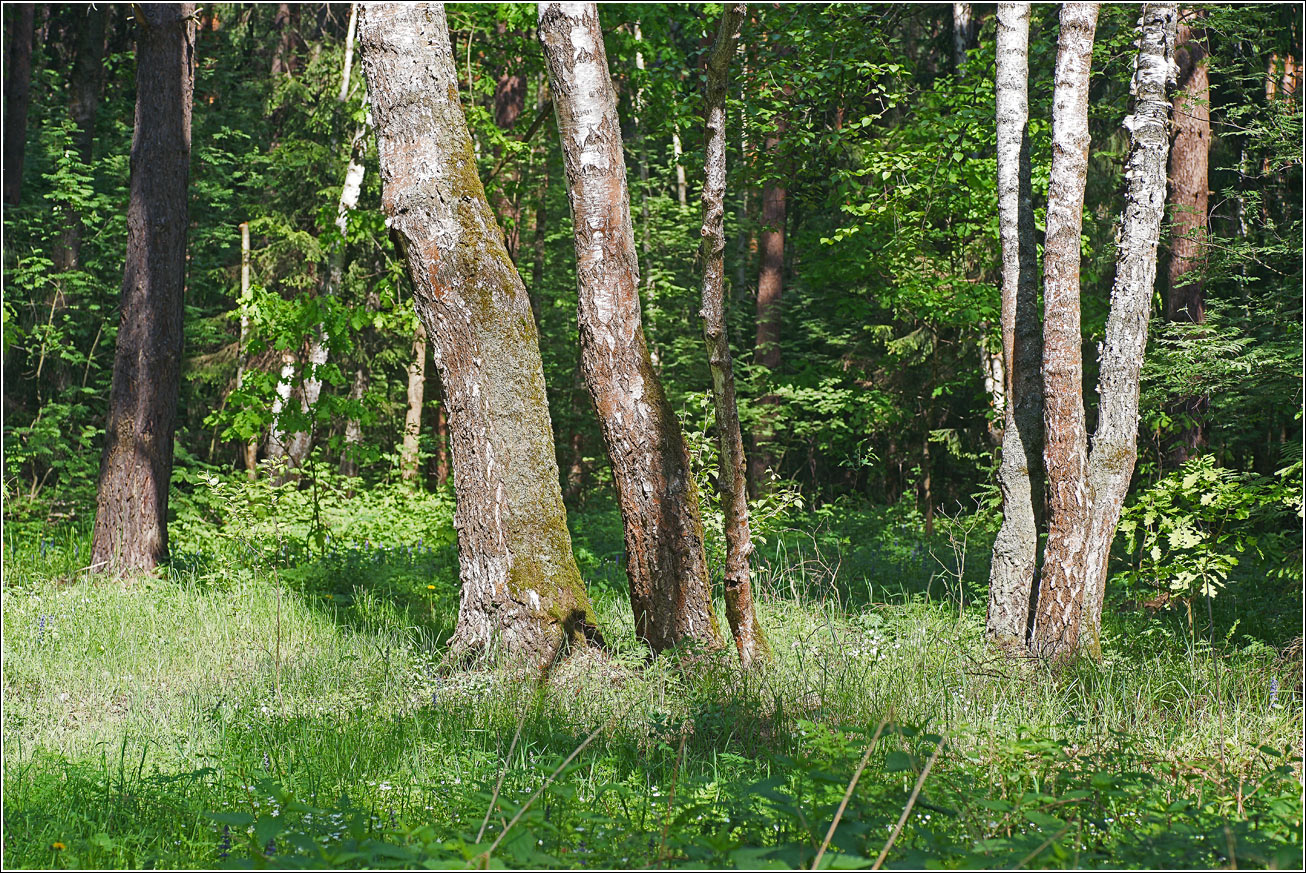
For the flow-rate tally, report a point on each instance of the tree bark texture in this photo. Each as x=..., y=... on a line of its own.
x=1061, y=588
x=413, y=415
x=733, y=481
x=131, y=518
x=1014, y=568
x=670, y=589
x=522, y=596
x=19, y=24
x=85, y=87
x=1115, y=442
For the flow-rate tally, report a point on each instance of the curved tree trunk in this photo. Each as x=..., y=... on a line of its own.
x=670, y=589
x=733, y=482
x=131, y=517
x=1061, y=588
x=1115, y=442
x=1015, y=550
x=522, y=596
x=19, y=25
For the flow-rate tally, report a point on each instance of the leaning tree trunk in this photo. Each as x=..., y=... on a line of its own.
x=1061, y=588
x=1190, y=159
x=131, y=517
x=733, y=482
x=670, y=589
x=84, y=89
x=1015, y=550
x=413, y=415
x=19, y=26
x=1115, y=441
x=522, y=596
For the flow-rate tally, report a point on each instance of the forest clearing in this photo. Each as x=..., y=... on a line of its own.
x=797, y=436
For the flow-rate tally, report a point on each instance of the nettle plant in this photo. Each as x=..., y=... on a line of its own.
x=1187, y=532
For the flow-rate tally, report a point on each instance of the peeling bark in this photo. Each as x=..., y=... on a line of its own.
x=1015, y=550
x=131, y=517
x=1061, y=587
x=732, y=483
x=522, y=596
x=670, y=589
x=1115, y=442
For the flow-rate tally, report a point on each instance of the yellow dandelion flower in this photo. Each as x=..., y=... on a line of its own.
x=58, y=847
x=432, y=587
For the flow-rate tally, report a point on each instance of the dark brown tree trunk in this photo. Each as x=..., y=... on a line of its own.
x=1015, y=549
x=1115, y=441
x=770, y=289
x=1190, y=158
x=733, y=481
x=509, y=101
x=283, y=57
x=131, y=518
x=670, y=589
x=522, y=595
x=19, y=25
x=413, y=416
x=85, y=87
x=1061, y=588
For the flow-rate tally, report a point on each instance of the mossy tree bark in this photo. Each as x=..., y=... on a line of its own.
x=670, y=589
x=131, y=518
x=1115, y=442
x=1015, y=550
x=733, y=480
x=522, y=597
x=1065, y=451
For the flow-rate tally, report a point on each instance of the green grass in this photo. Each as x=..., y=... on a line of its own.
x=264, y=691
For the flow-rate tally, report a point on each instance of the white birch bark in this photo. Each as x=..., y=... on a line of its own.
x=1115, y=442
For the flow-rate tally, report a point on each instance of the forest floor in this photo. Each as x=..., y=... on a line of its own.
x=276, y=699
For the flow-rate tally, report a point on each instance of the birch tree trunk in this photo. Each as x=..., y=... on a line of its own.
x=131, y=517
x=1115, y=441
x=1015, y=550
x=670, y=589
x=733, y=481
x=250, y=449
x=1061, y=588
x=522, y=596
x=963, y=35
x=413, y=416
x=20, y=21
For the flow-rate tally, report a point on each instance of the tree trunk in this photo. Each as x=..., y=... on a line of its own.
x=351, y=31
x=770, y=288
x=353, y=427
x=963, y=35
x=522, y=596
x=1015, y=550
x=250, y=449
x=1111, y=463
x=131, y=519
x=733, y=475
x=1190, y=158
x=283, y=59
x=682, y=187
x=670, y=589
x=85, y=87
x=19, y=25
x=413, y=417
x=541, y=217
x=509, y=102
x=1061, y=588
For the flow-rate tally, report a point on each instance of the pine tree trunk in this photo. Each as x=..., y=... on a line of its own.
x=1190, y=158
x=1061, y=588
x=522, y=596
x=85, y=87
x=413, y=416
x=733, y=482
x=131, y=518
x=670, y=588
x=1115, y=441
x=19, y=26
x=1015, y=550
